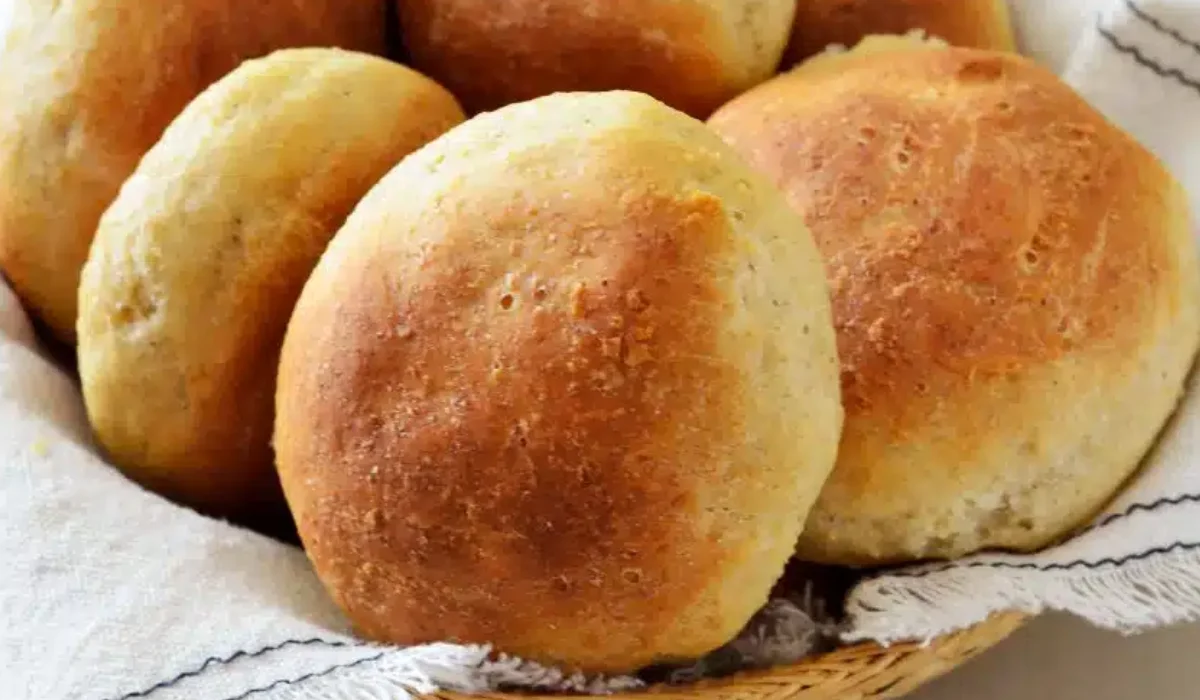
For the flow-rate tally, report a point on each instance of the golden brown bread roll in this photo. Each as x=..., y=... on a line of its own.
x=88, y=86
x=565, y=383
x=1015, y=287
x=196, y=266
x=692, y=54
x=981, y=24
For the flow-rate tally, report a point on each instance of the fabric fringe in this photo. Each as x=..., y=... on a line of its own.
x=1136, y=596
x=786, y=630
x=403, y=674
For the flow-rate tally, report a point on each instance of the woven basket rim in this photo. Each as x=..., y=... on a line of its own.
x=863, y=670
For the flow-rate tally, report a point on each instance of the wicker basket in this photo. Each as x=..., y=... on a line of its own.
x=853, y=673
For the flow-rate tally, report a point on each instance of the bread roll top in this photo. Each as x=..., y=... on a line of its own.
x=691, y=54
x=980, y=24
x=1015, y=290
x=88, y=86
x=565, y=383
x=197, y=264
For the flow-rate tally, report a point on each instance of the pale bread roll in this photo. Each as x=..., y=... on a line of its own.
x=565, y=383
x=692, y=54
x=1015, y=286
x=87, y=86
x=196, y=266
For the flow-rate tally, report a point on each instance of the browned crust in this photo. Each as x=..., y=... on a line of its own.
x=966, y=205
x=494, y=53
x=982, y=24
x=505, y=413
x=555, y=419
x=988, y=236
x=88, y=88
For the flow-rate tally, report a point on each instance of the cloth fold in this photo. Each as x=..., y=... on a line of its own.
x=108, y=592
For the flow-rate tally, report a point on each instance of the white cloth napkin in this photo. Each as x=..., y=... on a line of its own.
x=111, y=593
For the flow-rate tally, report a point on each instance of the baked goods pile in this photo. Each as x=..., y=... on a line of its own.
x=578, y=376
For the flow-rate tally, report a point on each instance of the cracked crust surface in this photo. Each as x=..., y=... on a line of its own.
x=1015, y=289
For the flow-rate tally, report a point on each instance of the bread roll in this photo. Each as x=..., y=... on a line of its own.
x=88, y=86
x=982, y=24
x=565, y=383
x=197, y=264
x=1015, y=287
x=692, y=54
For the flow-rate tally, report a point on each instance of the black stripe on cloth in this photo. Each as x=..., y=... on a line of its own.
x=1175, y=548
x=1136, y=54
x=306, y=677
x=1162, y=28
x=1141, y=508
x=213, y=662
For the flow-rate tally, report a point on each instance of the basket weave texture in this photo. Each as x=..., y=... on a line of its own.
x=852, y=673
